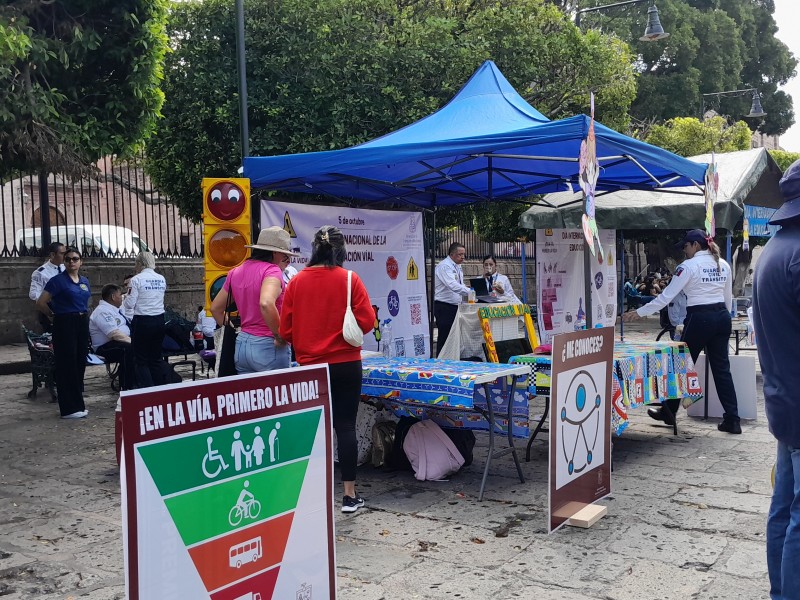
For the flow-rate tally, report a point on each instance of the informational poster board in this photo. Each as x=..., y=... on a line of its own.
x=386, y=249
x=560, y=285
x=580, y=422
x=227, y=488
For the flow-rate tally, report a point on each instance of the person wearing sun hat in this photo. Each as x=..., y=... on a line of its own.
x=776, y=319
x=706, y=279
x=257, y=288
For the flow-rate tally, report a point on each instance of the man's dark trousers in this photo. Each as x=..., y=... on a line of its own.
x=445, y=316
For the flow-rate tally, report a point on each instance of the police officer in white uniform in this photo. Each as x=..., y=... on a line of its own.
x=111, y=335
x=146, y=297
x=706, y=280
x=450, y=291
x=40, y=277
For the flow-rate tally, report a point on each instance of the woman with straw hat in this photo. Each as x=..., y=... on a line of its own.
x=257, y=288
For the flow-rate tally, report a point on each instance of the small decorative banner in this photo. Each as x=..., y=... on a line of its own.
x=712, y=186
x=588, y=171
x=746, y=233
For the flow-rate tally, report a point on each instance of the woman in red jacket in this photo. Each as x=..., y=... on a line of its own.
x=311, y=321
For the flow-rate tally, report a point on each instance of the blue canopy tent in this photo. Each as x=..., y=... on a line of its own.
x=486, y=144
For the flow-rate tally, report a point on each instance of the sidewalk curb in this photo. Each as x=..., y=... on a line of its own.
x=15, y=368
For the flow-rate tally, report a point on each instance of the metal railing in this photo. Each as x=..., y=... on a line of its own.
x=477, y=247
x=114, y=214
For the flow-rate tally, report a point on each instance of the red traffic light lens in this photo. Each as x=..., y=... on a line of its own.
x=225, y=201
x=226, y=248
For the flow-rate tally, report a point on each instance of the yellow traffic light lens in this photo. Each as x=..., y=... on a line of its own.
x=226, y=248
x=225, y=201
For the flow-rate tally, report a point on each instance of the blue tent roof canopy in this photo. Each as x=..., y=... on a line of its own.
x=486, y=144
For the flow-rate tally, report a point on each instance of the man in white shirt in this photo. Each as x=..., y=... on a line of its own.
x=39, y=278
x=111, y=336
x=450, y=291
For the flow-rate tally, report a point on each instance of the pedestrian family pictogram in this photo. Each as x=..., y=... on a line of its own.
x=243, y=455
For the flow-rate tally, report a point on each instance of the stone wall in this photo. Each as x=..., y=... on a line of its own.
x=184, y=288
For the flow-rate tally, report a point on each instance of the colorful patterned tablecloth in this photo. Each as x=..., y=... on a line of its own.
x=449, y=392
x=644, y=373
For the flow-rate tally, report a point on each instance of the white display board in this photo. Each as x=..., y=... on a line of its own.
x=386, y=249
x=560, y=286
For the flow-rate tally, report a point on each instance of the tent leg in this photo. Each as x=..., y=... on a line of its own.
x=621, y=284
x=587, y=284
x=432, y=271
x=524, y=278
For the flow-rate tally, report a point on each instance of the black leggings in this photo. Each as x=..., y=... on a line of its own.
x=345, y=396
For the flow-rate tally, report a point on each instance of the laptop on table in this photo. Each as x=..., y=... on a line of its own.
x=482, y=292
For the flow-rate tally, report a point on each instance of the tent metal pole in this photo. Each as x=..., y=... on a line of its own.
x=432, y=271
x=524, y=276
x=621, y=285
x=587, y=275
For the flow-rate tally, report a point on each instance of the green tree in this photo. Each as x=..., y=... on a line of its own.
x=688, y=136
x=326, y=74
x=783, y=158
x=80, y=79
x=714, y=46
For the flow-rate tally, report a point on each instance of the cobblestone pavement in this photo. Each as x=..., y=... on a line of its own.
x=686, y=518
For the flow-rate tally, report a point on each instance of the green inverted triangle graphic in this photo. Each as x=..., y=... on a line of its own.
x=218, y=455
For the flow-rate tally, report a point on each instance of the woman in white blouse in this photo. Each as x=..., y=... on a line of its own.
x=497, y=283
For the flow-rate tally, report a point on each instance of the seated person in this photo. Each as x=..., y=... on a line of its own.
x=497, y=283
x=207, y=325
x=633, y=296
x=111, y=336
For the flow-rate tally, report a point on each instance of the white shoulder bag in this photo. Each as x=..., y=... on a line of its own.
x=350, y=330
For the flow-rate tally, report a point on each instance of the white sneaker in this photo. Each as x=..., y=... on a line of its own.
x=81, y=414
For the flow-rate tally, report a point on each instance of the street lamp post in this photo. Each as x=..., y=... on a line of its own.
x=244, y=126
x=652, y=33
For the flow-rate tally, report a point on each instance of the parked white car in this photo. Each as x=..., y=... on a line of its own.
x=107, y=240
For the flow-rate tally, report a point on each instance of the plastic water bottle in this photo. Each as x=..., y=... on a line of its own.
x=386, y=338
x=471, y=297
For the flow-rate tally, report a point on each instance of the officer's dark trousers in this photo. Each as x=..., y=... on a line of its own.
x=122, y=353
x=708, y=327
x=147, y=337
x=70, y=346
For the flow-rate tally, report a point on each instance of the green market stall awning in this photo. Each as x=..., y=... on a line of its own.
x=746, y=177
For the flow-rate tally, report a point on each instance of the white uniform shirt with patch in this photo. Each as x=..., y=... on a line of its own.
x=450, y=286
x=146, y=295
x=701, y=281
x=106, y=319
x=40, y=277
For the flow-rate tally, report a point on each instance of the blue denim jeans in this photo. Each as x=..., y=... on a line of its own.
x=783, y=526
x=255, y=354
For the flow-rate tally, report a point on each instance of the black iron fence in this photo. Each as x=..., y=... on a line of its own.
x=477, y=247
x=115, y=213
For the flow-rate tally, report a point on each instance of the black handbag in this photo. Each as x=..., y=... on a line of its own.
x=225, y=359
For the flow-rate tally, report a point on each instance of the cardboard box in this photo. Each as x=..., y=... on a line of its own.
x=743, y=371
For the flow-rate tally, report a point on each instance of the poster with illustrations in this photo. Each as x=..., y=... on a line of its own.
x=580, y=422
x=386, y=249
x=560, y=285
x=227, y=488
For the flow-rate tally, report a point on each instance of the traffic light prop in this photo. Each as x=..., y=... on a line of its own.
x=226, y=230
